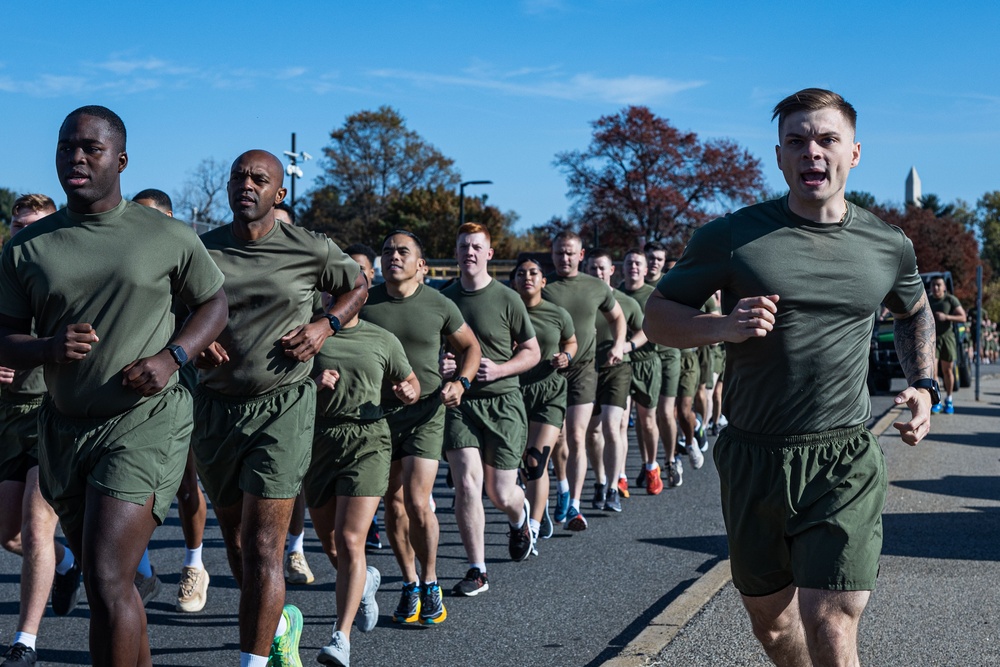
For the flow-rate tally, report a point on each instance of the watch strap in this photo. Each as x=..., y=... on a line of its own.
x=931, y=386
x=334, y=323
x=464, y=381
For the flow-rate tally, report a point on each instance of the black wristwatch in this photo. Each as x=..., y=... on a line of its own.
x=334, y=323
x=178, y=353
x=931, y=386
x=464, y=381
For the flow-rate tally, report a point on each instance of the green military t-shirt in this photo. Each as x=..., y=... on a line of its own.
x=367, y=357
x=419, y=321
x=271, y=284
x=947, y=304
x=552, y=326
x=641, y=295
x=499, y=319
x=582, y=296
x=808, y=374
x=26, y=385
x=117, y=271
x=606, y=338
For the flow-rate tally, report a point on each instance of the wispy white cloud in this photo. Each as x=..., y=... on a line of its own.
x=630, y=89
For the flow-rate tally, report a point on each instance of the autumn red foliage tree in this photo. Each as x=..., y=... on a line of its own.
x=941, y=244
x=643, y=179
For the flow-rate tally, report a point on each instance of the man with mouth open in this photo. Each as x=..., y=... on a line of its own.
x=113, y=432
x=256, y=404
x=802, y=480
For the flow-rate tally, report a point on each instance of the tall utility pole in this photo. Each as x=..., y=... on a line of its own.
x=293, y=169
x=461, y=198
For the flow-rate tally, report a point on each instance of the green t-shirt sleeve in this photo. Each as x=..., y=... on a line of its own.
x=609, y=300
x=398, y=366
x=634, y=319
x=520, y=324
x=14, y=300
x=339, y=271
x=566, y=327
x=453, y=319
x=197, y=277
x=908, y=287
x=702, y=268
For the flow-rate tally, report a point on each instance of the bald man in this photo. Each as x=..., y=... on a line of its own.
x=256, y=402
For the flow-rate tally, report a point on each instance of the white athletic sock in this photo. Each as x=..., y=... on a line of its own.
x=192, y=558
x=25, y=638
x=295, y=543
x=651, y=466
x=602, y=480
x=575, y=502
x=562, y=485
x=66, y=563
x=251, y=660
x=282, y=626
x=534, y=525
x=481, y=566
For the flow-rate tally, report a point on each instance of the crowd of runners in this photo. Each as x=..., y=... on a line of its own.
x=312, y=388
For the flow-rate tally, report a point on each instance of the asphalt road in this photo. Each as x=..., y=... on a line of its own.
x=579, y=602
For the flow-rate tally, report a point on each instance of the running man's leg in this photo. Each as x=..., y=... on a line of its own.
x=577, y=420
x=38, y=529
x=424, y=532
x=467, y=473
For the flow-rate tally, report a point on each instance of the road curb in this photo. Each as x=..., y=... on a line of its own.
x=662, y=629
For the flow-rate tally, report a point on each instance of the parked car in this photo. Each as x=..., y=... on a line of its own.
x=883, y=364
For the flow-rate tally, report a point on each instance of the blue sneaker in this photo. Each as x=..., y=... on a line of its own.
x=949, y=408
x=937, y=408
x=575, y=520
x=562, y=505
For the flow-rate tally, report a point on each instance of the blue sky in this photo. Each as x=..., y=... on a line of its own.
x=502, y=87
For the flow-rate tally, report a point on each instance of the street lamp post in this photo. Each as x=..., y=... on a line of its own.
x=461, y=198
x=294, y=170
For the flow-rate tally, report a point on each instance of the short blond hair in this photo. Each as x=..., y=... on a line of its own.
x=814, y=99
x=35, y=203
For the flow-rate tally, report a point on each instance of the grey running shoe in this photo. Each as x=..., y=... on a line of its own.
x=368, y=609
x=598, y=501
x=675, y=474
x=696, y=457
x=546, y=528
x=337, y=652
x=408, y=609
x=66, y=590
x=475, y=582
x=149, y=587
x=611, y=501
x=19, y=655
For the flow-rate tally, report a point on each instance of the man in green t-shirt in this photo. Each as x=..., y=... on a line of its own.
x=803, y=482
x=97, y=280
x=656, y=259
x=255, y=404
x=947, y=309
x=485, y=435
x=421, y=318
x=583, y=296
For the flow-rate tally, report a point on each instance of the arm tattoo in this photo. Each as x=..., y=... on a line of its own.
x=914, y=336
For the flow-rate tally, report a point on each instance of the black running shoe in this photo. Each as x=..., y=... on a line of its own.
x=66, y=590
x=598, y=500
x=408, y=609
x=520, y=540
x=475, y=582
x=432, y=611
x=640, y=479
x=19, y=655
x=149, y=587
x=611, y=501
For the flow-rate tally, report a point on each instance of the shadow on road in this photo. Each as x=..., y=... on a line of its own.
x=949, y=535
x=982, y=488
x=713, y=545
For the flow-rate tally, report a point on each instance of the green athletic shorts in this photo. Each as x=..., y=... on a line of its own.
x=670, y=367
x=259, y=445
x=719, y=361
x=349, y=458
x=418, y=429
x=947, y=347
x=497, y=425
x=581, y=382
x=613, y=383
x=130, y=457
x=647, y=374
x=688, y=381
x=545, y=400
x=18, y=438
x=802, y=509
x=705, y=365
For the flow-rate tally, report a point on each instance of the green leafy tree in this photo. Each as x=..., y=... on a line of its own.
x=931, y=202
x=988, y=211
x=7, y=199
x=861, y=198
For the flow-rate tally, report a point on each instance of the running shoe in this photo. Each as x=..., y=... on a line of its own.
x=433, y=504
x=937, y=408
x=675, y=474
x=408, y=609
x=575, y=521
x=373, y=542
x=367, y=616
x=696, y=457
x=66, y=590
x=149, y=587
x=520, y=541
x=640, y=479
x=654, y=485
x=715, y=428
x=475, y=582
x=192, y=593
x=949, y=407
x=611, y=502
x=562, y=505
x=285, y=647
x=598, y=501
x=546, y=529
x=432, y=611
x=699, y=432
x=623, y=486
x=19, y=655
x=297, y=569
x=337, y=653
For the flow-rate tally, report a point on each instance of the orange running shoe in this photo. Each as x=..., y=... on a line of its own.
x=623, y=487
x=653, y=482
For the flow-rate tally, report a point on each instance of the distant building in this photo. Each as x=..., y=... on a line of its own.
x=913, y=193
